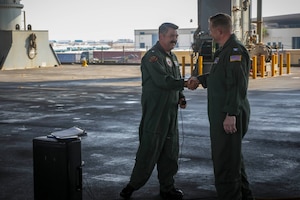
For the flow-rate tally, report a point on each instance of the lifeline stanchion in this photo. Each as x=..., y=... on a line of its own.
x=254, y=67
x=280, y=64
x=262, y=66
x=288, y=63
x=200, y=65
x=273, y=64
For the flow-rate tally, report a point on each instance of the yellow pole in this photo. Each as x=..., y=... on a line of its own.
x=254, y=67
x=200, y=65
x=288, y=63
x=183, y=66
x=84, y=62
x=276, y=56
x=262, y=66
x=280, y=64
x=192, y=64
x=273, y=64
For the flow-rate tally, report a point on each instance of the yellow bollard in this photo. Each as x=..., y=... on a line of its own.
x=262, y=66
x=276, y=63
x=183, y=67
x=254, y=67
x=84, y=62
x=280, y=64
x=288, y=63
x=200, y=65
x=273, y=64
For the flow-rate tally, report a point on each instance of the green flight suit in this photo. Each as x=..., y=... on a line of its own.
x=227, y=86
x=162, y=87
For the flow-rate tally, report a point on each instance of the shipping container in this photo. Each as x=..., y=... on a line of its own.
x=69, y=58
x=118, y=56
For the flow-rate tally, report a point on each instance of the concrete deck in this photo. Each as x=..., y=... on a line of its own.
x=105, y=101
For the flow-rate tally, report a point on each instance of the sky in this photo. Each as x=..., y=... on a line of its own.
x=117, y=19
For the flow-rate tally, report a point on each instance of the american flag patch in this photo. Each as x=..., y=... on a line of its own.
x=235, y=58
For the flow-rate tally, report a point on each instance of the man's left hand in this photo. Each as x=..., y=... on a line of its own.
x=229, y=124
x=182, y=103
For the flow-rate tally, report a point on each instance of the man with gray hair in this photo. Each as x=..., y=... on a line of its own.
x=162, y=87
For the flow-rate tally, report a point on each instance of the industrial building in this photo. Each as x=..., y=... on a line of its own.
x=280, y=31
x=146, y=38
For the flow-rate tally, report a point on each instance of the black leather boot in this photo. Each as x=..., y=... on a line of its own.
x=174, y=194
x=127, y=192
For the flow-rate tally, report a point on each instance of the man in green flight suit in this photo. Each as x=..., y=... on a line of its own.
x=228, y=109
x=162, y=88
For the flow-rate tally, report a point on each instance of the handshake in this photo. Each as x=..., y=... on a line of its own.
x=192, y=83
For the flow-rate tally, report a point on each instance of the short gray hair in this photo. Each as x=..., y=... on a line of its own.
x=165, y=26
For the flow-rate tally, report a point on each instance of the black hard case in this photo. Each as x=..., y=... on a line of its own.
x=57, y=169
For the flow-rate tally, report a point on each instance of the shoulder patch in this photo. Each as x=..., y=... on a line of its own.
x=235, y=58
x=216, y=60
x=153, y=59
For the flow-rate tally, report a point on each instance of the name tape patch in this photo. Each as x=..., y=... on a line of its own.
x=235, y=58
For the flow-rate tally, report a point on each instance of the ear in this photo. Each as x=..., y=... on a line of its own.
x=220, y=31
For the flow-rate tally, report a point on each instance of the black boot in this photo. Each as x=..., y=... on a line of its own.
x=127, y=192
x=247, y=195
x=174, y=194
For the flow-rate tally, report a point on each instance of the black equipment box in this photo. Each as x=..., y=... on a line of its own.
x=57, y=169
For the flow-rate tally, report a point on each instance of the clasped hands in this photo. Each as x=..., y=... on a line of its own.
x=192, y=83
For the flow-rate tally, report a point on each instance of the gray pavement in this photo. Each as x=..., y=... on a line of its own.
x=105, y=101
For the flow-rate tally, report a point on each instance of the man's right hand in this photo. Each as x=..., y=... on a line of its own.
x=192, y=83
